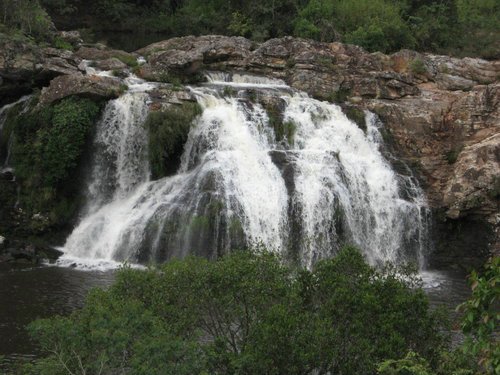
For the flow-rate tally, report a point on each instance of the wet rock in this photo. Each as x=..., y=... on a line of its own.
x=24, y=252
x=24, y=64
x=440, y=114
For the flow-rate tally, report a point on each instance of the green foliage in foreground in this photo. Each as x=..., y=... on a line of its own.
x=412, y=364
x=482, y=316
x=246, y=313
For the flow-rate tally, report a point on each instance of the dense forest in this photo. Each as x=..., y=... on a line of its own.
x=456, y=27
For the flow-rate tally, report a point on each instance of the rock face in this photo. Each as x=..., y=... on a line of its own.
x=93, y=86
x=24, y=65
x=441, y=116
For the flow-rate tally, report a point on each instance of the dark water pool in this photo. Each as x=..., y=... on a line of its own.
x=28, y=293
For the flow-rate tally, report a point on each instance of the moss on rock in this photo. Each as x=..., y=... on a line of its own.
x=283, y=130
x=168, y=132
x=49, y=143
x=357, y=116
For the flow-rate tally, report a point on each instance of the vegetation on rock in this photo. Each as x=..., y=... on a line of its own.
x=357, y=116
x=48, y=143
x=26, y=16
x=168, y=131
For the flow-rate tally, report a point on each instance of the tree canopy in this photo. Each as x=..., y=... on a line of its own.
x=246, y=313
x=459, y=27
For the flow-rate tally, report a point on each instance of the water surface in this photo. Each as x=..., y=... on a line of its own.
x=28, y=293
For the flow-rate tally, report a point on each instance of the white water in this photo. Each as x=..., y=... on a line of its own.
x=343, y=180
x=229, y=192
x=244, y=80
x=4, y=112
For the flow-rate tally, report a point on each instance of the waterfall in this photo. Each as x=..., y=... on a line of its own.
x=20, y=106
x=343, y=185
x=239, y=186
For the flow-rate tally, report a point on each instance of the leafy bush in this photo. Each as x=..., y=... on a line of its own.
x=168, y=132
x=452, y=155
x=246, y=313
x=62, y=142
x=481, y=316
x=412, y=364
x=62, y=44
x=417, y=66
x=131, y=61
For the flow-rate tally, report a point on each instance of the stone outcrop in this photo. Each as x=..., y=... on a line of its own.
x=92, y=86
x=24, y=65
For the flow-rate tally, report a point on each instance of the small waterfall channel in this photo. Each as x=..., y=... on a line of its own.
x=6, y=139
x=324, y=184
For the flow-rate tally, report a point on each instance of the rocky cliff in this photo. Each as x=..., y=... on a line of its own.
x=441, y=114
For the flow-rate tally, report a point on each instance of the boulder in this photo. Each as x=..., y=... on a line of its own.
x=83, y=85
x=111, y=64
x=94, y=53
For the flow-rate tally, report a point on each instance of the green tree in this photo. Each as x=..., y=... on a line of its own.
x=375, y=25
x=27, y=16
x=316, y=21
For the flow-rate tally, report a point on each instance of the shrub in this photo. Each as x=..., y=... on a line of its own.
x=452, y=155
x=412, y=364
x=28, y=17
x=417, y=66
x=129, y=60
x=63, y=141
x=62, y=44
x=481, y=317
x=246, y=313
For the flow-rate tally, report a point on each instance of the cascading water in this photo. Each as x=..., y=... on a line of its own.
x=19, y=107
x=344, y=186
x=237, y=185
